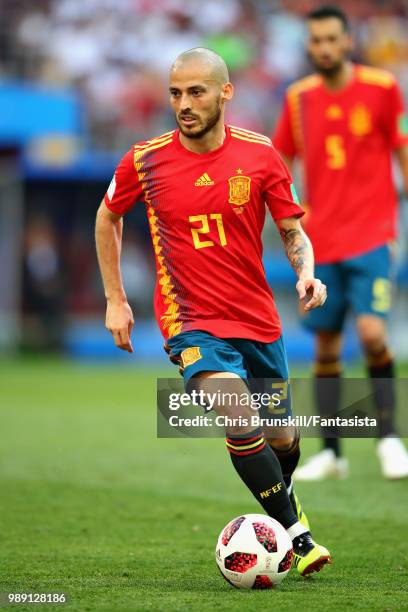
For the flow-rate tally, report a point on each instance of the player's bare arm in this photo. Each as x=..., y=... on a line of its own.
x=299, y=251
x=119, y=317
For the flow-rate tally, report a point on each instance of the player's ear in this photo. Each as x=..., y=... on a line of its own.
x=227, y=91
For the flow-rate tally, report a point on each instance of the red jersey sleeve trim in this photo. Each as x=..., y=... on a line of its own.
x=290, y=211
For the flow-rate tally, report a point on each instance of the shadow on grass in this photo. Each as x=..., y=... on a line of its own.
x=215, y=584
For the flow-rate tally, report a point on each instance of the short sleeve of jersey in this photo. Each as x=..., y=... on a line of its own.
x=125, y=188
x=279, y=191
x=396, y=118
x=283, y=135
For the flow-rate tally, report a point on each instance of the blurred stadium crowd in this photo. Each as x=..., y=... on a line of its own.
x=114, y=55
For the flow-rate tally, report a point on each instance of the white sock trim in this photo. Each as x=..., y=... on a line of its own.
x=296, y=530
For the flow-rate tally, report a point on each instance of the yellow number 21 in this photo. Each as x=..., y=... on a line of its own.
x=205, y=229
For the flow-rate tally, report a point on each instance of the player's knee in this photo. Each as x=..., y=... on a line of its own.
x=287, y=440
x=282, y=444
x=225, y=387
x=372, y=334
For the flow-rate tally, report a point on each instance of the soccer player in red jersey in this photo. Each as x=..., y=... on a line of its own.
x=344, y=122
x=205, y=186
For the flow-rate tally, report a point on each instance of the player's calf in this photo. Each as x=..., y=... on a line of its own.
x=380, y=369
x=259, y=468
x=287, y=451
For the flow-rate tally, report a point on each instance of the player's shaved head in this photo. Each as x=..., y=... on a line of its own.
x=199, y=87
x=214, y=66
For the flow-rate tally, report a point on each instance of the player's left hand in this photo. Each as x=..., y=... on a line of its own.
x=313, y=288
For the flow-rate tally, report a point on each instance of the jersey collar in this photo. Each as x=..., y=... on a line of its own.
x=211, y=154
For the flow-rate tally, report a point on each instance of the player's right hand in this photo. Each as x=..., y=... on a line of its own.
x=119, y=321
x=314, y=289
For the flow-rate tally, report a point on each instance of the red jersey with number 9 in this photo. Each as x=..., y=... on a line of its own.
x=345, y=139
x=206, y=213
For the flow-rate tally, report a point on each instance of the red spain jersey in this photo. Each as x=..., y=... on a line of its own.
x=206, y=213
x=345, y=140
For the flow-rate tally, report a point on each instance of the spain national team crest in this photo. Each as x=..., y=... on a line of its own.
x=360, y=120
x=239, y=189
x=190, y=355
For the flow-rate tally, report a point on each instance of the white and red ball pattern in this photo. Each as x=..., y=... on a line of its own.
x=254, y=552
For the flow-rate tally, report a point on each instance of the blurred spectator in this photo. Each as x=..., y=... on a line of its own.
x=43, y=286
x=117, y=52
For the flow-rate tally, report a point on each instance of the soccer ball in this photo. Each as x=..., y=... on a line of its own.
x=254, y=552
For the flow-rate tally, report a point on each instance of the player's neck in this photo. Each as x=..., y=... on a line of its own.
x=341, y=79
x=209, y=142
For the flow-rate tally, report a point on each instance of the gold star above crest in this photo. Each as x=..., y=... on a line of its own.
x=239, y=171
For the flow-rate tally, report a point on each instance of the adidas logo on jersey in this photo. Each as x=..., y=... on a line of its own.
x=203, y=181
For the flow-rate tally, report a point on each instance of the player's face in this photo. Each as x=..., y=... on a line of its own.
x=329, y=44
x=197, y=100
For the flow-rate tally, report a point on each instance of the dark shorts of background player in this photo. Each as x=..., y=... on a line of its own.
x=360, y=285
x=262, y=365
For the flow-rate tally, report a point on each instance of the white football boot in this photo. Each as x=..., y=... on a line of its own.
x=323, y=465
x=393, y=458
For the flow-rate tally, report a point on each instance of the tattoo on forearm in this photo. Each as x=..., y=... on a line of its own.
x=296, y=247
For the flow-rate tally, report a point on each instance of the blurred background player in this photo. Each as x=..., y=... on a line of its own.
x=344, y=122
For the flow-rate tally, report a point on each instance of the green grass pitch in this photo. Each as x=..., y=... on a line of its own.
x=93, y=504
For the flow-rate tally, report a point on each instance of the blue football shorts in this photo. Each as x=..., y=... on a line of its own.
x=360, y=285
x=262, y=365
